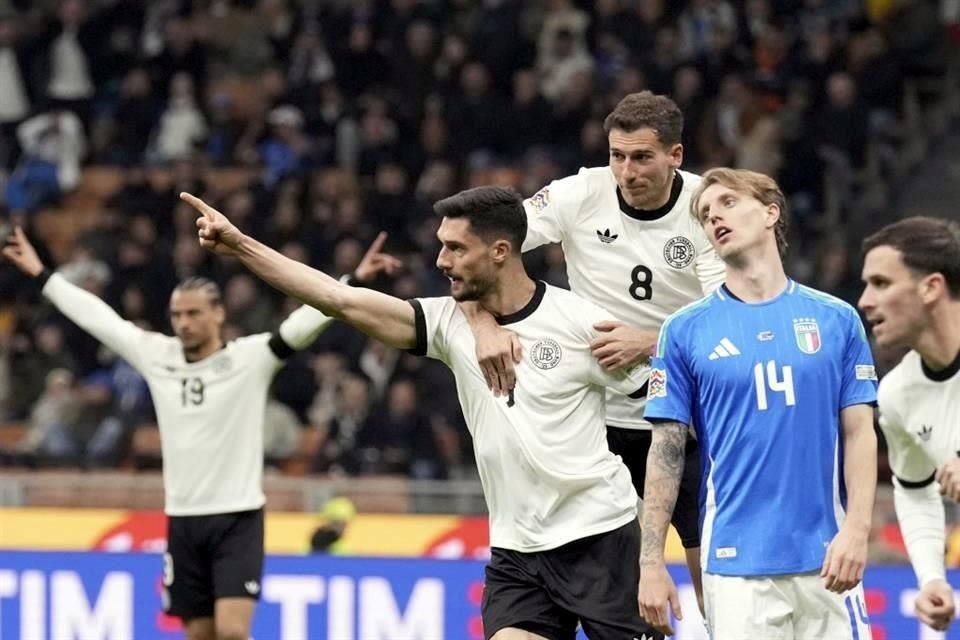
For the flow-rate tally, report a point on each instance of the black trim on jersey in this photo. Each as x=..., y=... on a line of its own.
x=727, y=291
x=639, y=393
x=649, y=215
x=420, y=322
x=943, y=374
x=914, y=484
x=279, y=347
x=528, y=309
x=42, y=277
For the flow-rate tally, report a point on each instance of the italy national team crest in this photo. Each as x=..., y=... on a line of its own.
x=808, y=334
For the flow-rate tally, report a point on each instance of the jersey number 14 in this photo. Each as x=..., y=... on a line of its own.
x=782, y=383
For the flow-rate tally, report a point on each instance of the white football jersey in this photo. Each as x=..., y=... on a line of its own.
x=640, y=265
x=920, y=418
x=210, y=412
x=547, y=473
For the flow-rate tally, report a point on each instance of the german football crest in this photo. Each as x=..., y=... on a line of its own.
x=808, y=334
x=546, y=354
x=679, y=252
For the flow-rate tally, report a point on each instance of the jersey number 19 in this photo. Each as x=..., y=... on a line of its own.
x=774, y=382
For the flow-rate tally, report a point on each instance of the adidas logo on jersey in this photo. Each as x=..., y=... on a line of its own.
x=606, y=237
x=925, y=432
x=252, y=587
x=724, y=350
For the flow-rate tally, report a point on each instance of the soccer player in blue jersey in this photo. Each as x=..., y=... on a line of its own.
x=778, y=381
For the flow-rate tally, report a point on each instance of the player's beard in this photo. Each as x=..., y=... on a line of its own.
x=471, y=290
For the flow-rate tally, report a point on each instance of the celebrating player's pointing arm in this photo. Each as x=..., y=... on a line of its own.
x=384, y=317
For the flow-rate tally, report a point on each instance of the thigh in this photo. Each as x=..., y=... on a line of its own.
x=238, y=555
x=686, y=513
x=187, y=576
x=824, y=614
x=514, y=599
x=596, y=578
x=747, y=608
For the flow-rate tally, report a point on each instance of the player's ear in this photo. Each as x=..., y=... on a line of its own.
x=676, y=155
x=773, y=214
x=932, y=287
x=500, y=250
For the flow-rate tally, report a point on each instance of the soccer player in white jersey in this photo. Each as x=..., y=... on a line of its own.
x=210, y=400
x=562, y=506
x=911, y=298
x=778, y=381
x=631, y=247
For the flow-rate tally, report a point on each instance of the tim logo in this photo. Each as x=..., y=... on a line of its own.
x=546, y=354
x=679, y=252
x=808, y=334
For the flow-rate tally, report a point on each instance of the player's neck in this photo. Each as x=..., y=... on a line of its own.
x=512, y=293
x=939, y=344
x=203, y=351
x=756, y=280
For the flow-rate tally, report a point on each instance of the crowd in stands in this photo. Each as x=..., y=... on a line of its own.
x=347, y=117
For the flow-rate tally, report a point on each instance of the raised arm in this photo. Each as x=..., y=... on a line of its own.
x=89, y=312
x=846, y=555
x=383, y=317
x=665, y=462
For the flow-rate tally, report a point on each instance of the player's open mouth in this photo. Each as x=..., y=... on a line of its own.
x=721, y=233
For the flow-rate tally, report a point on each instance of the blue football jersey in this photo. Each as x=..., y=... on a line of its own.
x=763, y=385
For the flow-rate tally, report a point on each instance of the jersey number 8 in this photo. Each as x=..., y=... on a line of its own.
x=641, y=283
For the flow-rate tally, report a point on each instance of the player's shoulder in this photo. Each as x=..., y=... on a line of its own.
x=895, y=383
x=827, y=301
x=691, y=182
x=580, y=186
x=691, y=312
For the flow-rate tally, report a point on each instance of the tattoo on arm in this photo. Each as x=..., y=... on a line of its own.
x=664, y=472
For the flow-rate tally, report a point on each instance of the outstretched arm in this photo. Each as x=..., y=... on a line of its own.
x=664, y=472
x=383, y=317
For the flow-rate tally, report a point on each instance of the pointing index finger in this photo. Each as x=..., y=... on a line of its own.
x=208, y=212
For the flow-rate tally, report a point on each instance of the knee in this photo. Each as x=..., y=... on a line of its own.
x=231, y=630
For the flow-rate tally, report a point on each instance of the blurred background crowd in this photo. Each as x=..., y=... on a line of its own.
x=314, y=124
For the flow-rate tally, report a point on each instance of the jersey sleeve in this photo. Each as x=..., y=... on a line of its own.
x=433, y=317
x=670, y=393
x=298, y=331
x=550, y=211
x=859, y=382
x=97, y=318
x=911, y=466
x=711, y=270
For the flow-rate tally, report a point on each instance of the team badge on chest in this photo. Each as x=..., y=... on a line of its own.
x=679, y=252
x=545, y=354
x=808, y=334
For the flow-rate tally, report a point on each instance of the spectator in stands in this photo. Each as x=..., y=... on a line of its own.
x=53, y=144
x=282, y=432
x=48, y=438
x=182, y=125
x=16, y=97
x=337, y=449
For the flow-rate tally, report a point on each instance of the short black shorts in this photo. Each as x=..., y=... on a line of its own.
x=632, y=446
x=592, y=581
x=211, y=557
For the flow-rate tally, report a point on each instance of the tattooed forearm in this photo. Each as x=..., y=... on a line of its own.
x=664, y=471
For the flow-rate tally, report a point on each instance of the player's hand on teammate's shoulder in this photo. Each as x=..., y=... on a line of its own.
x=215, y=232
x=846, y=559
x=935, y=606
x=375, y=262
x=656, y=592
x=620, y=346
x=948, y=475
x=21, y=254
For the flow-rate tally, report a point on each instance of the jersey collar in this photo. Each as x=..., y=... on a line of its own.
x=649, y=215
x=943, y=374
x=528, y=308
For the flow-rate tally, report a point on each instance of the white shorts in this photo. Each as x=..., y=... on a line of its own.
x=793, y=607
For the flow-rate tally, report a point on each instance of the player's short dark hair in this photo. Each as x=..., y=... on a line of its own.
x=494, y=213
x=757, y=185
x=647, y=110
x=927, y=245
x=199, y=283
